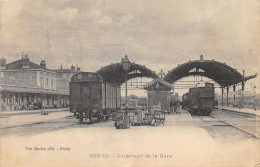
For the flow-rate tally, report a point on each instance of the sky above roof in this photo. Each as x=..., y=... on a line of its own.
x=157, y=33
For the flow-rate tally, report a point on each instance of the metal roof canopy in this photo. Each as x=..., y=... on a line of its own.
x=115, y=74
x=223, y=74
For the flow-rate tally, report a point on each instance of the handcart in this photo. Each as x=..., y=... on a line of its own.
x=137, y=117
x=159, y=117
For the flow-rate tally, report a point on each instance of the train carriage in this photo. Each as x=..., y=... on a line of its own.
x=185, y=100
x=91, y=98
x=200, y=100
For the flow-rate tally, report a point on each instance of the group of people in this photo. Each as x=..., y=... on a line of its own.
x=175, y=107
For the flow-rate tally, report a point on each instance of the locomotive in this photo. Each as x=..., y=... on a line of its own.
x=93, y=99
x=199, y=100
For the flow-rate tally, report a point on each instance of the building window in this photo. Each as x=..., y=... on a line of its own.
x=47, y=81
x=51, y=82
x=42, y=81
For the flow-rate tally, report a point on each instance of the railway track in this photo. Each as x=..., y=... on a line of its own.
x=216, y=124
x=47, y=130
x=44, y=126
x=239, y=113
x=38, y=127
x=250, y=134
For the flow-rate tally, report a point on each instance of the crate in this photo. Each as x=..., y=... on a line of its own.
x=136, y=117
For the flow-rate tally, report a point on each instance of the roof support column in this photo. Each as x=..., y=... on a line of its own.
x=243, y=88
x=234, y=89
x=243, y=81
x=222, y=92
x=227, y=95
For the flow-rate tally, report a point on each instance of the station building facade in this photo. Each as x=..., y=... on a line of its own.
x=24, y=84
x=63, y=76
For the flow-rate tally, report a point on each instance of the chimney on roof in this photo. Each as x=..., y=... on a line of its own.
x=43, y=64
x=78, y=68
x=25, y=57
x=25, y=60
x=2, y=63
x=72, y=67
x=61, y=66
x=201, y=58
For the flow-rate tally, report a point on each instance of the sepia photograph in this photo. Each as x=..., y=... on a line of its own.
x=129, y=83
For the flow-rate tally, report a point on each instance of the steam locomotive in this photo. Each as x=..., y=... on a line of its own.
x=93, y=99
x=199, y=100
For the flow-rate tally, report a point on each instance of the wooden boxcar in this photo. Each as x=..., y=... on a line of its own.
x=93, y=99
x=200, y=100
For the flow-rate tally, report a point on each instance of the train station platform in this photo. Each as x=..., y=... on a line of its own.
x=241, y=110
x=27, y=112
x=182, y=119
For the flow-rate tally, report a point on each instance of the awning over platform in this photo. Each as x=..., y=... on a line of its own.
x=115, y=74
x=223, y=74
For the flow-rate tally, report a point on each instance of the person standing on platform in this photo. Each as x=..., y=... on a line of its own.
x=175, y=108
x=179, y=108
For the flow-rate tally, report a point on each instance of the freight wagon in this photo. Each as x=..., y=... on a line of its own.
x=93, y=99
x=199, y=100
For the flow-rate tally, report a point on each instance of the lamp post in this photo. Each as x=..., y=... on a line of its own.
x=126, y=67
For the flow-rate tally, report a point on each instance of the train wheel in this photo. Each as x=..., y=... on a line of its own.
x=80, y=117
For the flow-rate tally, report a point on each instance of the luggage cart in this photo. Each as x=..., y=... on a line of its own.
x=159, y=117
x=137, y=118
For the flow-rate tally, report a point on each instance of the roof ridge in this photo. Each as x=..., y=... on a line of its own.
x=160, y=80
